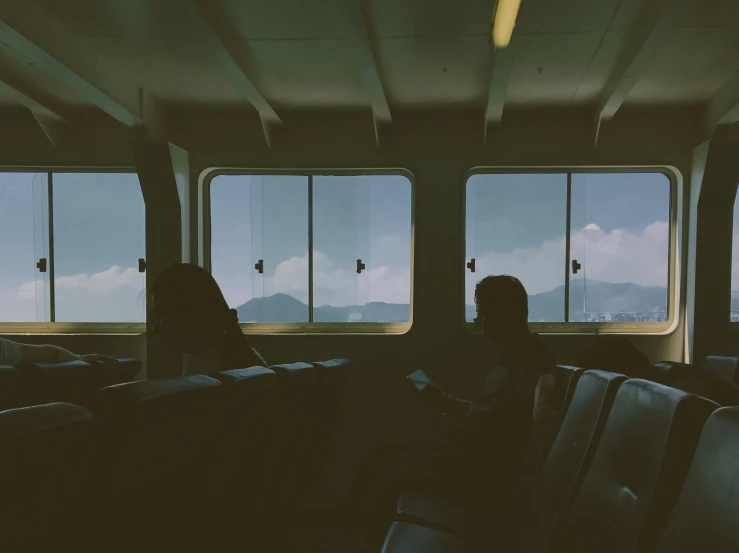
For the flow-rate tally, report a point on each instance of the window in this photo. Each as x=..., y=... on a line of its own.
x=70, y=244
x=313, y=248
x=590, y=247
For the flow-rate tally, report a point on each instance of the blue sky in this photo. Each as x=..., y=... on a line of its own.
x=515, y=224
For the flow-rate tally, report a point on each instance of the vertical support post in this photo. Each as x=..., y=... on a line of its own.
x=158, y=176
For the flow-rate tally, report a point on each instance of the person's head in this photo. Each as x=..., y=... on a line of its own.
x=190, y=313
x=502, y=306
x=614, y=354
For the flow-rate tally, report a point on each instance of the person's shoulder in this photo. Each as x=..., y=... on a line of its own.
x=534, y=354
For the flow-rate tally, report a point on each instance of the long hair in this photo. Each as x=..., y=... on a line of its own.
x=187, y=284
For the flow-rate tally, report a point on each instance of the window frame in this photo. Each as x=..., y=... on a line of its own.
x=204, y=238
x=26, y=328
x=675, y=225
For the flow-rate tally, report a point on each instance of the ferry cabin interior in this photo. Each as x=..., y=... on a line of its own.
x=348, y=170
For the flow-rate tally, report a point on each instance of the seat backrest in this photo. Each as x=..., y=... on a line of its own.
x=726, y=368
x=637, y=472
x=71, y=381
x=44, y=460
x=568, y=378
x=155, y=437
x=705, y=516
x=569, y=457
x=11, y=391
x=666, y=372
x=250, y=401
x=296, y=427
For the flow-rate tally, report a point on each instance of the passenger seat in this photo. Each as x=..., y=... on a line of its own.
x=638, y=470
x=44, y=455
x=705, y=517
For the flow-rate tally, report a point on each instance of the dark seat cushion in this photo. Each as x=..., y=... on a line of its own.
x=120, y=372
x=705, y=516
x=637, y=471
x=567, y=382
x=409, y=538
x=43, y=465
x=726, y=368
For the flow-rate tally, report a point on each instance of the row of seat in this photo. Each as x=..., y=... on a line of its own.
x=71, y=382
x=165, y=461
x=637, y=466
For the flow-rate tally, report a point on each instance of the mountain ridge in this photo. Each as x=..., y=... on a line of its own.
x=602, y=297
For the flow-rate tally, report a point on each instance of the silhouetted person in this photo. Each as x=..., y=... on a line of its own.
x=192, y=316
x=481, y=456
x=615, y=354
x=14, y=354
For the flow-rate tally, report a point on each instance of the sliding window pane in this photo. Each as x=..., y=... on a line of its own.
x=261, y=220
x=24, y=290
x=516, y=225
x=99, y=228
x=362, y=248
x=620, y=236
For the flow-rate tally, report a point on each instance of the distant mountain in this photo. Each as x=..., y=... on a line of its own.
x=602, y=297
x=283, y=308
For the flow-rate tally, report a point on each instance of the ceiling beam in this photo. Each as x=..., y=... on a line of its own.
x=36, y=36
x=228, y=48
x=364, y=56
x=501, y=66
x=639, y=47
x=49, y=117
x=724, y=106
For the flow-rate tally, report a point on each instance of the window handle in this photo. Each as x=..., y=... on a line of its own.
x=142, y=265
x=360, y=266
x=472, y=265
x=41, y=265
x=575, y=266
x=259, y=266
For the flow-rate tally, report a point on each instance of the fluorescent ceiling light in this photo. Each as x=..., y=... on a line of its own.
x=504, y=21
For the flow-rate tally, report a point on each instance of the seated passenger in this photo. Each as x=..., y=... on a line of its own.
x=14, y=354
x=192, y=316
x=482, y=455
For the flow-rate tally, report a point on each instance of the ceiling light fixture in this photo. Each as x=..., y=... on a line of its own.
x=504, y=21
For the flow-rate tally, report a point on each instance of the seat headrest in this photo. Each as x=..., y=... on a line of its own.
x=40, y=418
x=239, y=376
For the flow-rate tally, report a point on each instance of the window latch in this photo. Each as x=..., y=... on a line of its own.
x=575, y=266
x=142, y=265
x=41, y=265
x=472, y=265
x=259, y=266
x=360, y=266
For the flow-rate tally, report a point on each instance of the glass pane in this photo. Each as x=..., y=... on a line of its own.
x=362, y=219
x=23, y=241
x=620, y=235
x=261, y=218
x=735, y=265
x=516, y=225
x=99, y=235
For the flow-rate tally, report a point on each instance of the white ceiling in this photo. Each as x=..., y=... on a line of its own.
x=307, y=54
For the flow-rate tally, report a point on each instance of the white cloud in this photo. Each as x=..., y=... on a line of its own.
x=592, y=226
x=616, y=256
x=114, y=295
x=337, y=285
